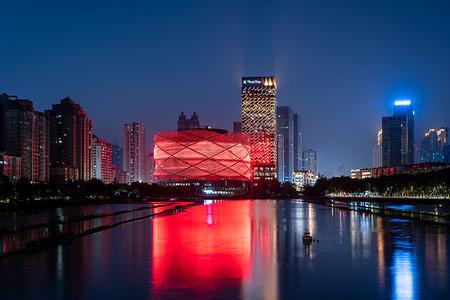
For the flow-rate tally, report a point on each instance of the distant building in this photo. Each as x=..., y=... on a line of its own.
x=258, y=112
x=149, y=168
x=446, y=153
x=237, y=126
x=285, y=146
x=185, y=123
x=25, y=134
x=11, y=166
x=134, y=152
x=411, y=169
x=377, y=150
x=297, y=142
x=101, y=160
x=309, y=158
x=433, y=144
x=341, y=170
x=119, y=176
x=117, y=156
x=301, y=179
x=70, y=142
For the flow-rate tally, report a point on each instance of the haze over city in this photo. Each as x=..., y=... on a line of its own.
x=340, y=65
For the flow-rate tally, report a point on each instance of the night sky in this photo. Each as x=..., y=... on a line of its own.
x=339, y=64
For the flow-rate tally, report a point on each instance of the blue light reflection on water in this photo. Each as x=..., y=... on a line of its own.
x=404, y=271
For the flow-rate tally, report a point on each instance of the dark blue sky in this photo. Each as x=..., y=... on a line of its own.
x=339, y=64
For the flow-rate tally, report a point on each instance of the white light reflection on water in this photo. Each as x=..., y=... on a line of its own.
x=403, y=271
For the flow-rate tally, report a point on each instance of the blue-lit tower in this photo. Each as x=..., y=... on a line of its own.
x=398, y=135
x=405, y=108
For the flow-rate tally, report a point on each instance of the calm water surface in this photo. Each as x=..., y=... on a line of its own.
x=242, y=249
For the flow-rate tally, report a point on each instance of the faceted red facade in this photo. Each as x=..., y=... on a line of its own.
x=201, y=155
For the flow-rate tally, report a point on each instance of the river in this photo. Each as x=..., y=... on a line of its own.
x=247, y=249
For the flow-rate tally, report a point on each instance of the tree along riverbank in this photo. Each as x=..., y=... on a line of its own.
x=431, y=185
x=25, y=196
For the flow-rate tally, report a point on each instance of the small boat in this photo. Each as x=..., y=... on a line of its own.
x=307, y=238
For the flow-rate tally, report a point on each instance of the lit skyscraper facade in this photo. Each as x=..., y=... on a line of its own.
x=258, y=116
x=134, y=151
x=398, y=146
x=101, y=160
x=70, y=142
x=309, y=158
x=377, y=150
x=395, y=141
x=285, y=147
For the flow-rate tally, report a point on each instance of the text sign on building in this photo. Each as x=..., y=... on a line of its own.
x=250, y=81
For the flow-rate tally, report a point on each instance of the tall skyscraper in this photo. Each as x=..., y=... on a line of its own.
x=70, y=142
x=285, y=148
x=309, y=158
x=377, y=150
x=395, y=141
x=297, y=142
x=398, y=146
x=258, y=114
x=405, y=108
x=117, y=156
x=185, y=123
x=134, y=151
x=101, y=160
x=433, y=144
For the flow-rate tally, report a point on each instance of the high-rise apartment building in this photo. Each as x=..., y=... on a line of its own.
x=70, y=141
x=24, y=134
x=101, y=160
x=258, y=114
x=433, y=144
x=185, y=123
x=149, y=168
x=285, y=147
x=377, y=150
x=117, y=156
x=134, y=152
x=309, y=159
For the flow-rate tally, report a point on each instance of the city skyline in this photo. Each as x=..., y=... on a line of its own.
x=336, y=65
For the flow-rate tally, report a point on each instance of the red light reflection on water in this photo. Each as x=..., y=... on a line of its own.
x=190, y=251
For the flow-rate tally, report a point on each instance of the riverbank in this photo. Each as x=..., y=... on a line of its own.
x=404, y=200
x=371, y=206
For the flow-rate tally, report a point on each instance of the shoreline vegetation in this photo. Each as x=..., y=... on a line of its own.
x=27, y=197
x=422, y=187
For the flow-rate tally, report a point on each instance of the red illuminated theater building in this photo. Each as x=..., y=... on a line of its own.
x=204, y=161
x=258, y=114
